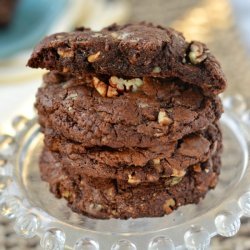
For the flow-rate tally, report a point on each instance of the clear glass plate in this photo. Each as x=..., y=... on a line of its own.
x=25, y=198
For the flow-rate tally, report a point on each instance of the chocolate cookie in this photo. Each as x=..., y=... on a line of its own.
x=109, y=198
x=132, y=50
x=159, y=112
x=136, y=165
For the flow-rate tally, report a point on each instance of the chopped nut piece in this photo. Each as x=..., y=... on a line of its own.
x=197, y=168
x=178, y=172
x=114, y=212
x=100, y=86
x=133, y=180
x=152, y=178
x=66, y=194
x=156, y=69
x=197, y=53
x=112, y=92
x=175, y=181
x=156, y=161
x=94, y=57
x=122, y=84
x=207, y=170
x=163, y=118
x=95, y=207
x=168, y=206
x=65, y=52
x=116, y=83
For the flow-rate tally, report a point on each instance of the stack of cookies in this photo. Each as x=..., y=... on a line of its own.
x=130, y=119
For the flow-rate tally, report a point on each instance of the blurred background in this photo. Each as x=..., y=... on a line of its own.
x=223, y=24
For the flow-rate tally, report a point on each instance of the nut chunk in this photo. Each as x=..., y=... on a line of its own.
x=94, y=57
x=133, y=180
x=100, y=86
x=125, y=85
x=168, y=206
x=197, y=53
x=65, y=52
x=112, y=92
x=163, y=118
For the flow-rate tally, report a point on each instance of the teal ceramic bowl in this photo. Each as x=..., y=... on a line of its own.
x=32, y=20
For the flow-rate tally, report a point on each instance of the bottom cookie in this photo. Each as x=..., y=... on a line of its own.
x=108, y=198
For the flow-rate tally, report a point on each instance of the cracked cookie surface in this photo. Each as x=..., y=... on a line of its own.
x=145, y=165
x=109, y=198
x=75, y=110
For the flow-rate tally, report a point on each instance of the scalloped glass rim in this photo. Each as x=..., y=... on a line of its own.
x=40, y=213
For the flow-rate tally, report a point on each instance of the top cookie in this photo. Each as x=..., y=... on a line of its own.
x=132, y=50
